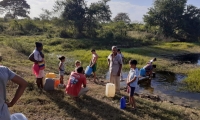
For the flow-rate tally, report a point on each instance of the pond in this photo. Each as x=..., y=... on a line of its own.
x=167, y=86
x=188, y=58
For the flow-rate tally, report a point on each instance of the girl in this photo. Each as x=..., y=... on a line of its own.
x=61, y=70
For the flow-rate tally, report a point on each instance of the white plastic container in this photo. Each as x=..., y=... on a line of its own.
x=110, y=90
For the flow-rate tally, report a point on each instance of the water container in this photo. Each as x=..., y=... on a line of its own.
x=122, y=103
x=56, y=83
x=142, y=72
x=50, y=75
x=18, y=116
x=49, y=84
x=110, y=90
x=88, y=71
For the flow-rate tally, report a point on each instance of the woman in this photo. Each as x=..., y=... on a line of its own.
x=39, y=65
x=6, y=75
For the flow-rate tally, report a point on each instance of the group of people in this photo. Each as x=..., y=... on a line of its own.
x=76, y=85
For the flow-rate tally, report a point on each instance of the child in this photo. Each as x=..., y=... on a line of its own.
x=77, y=64
x=132, y=81
x=61, y=70
x=93, y=63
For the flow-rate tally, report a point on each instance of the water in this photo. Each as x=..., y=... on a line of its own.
x=188, y=58
x=168, y=86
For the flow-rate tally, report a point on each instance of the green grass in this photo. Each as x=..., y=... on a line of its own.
x=56, y=105
x=193, y=81
x=53, y=47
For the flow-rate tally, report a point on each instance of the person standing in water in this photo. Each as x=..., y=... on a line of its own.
x=115, y=66
x=93, y=63
x=39, y=64
x=149, y=67
x=62, y=70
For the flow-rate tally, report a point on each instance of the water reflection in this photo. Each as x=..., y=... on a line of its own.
x=167, y=85
x=188, y=58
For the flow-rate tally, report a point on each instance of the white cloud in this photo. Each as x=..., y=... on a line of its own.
x=37, y=5
x=135, y=12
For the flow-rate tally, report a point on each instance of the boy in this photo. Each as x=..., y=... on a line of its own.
x=132, y=81
x=93, y=63
x=77, y=64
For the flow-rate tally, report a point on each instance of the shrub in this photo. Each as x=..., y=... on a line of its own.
x=18, y=46
x=29, y=26
x=1, y=28
x=55, y=42
x=67, y=45
x=107, y=34
x=63, y=34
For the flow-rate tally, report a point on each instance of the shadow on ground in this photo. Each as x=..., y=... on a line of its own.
x=88, y=107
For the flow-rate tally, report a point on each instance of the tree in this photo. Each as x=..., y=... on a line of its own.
x=75, y=11
x=175, y=19
x=167, y=15
x=190, y=24
x=122, y=17
x=98, y=12
x=15, y=8
x=82, y=17
x=46, y=15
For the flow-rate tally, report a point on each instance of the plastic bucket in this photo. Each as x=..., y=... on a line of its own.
x=56, y=83
x=88, y=70
x=142, y=72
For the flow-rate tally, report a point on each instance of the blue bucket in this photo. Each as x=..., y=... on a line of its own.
x=142, y=72
x=88, y=70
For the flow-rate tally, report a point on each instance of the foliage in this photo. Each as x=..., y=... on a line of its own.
x=80, y=17
x=28, y=25
x=14, y=8
x=175, y=19
x=122, y=17
x=46, y=15
x=192, y=81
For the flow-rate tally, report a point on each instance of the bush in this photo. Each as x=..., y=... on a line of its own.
x=108, y=34
x=29, y=26
x=18, y=46
x=1, y=28
x=55, y=42
x=63, y=34
x=67, y=45
x=118, y=36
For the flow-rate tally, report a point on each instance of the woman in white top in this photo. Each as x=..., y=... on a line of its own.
x=39, y=65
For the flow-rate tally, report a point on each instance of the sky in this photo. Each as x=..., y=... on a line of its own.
x=135, y=8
